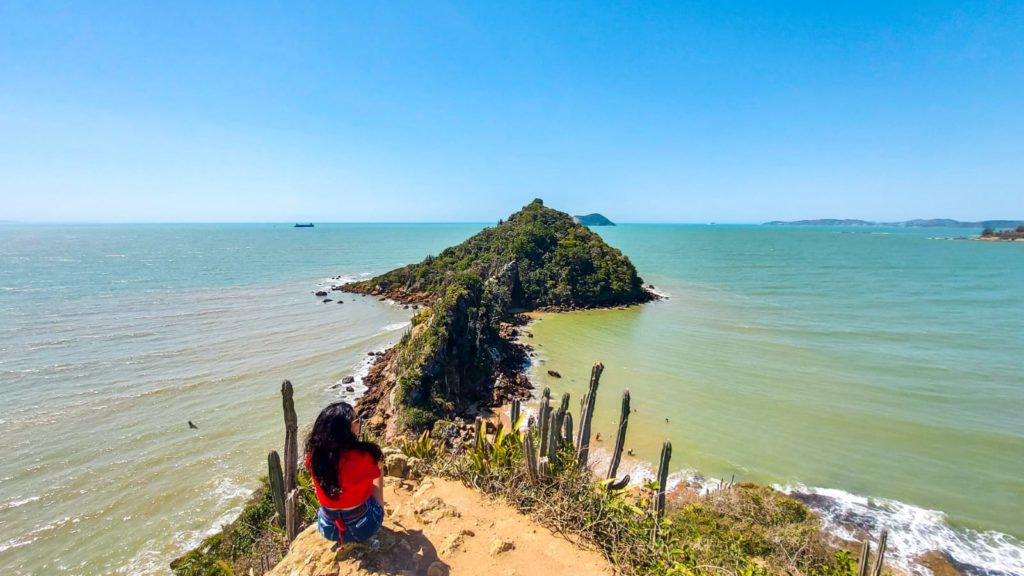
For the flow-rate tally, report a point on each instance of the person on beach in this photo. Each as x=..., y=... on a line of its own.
x=347, y=477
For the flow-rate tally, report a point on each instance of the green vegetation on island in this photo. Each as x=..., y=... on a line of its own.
x=1014, y=235
x=457, y=353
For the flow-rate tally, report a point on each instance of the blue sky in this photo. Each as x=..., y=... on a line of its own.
x=435, y=111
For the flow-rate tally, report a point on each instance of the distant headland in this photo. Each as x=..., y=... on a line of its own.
x=1011, y=235
x=594, y=219
x=918, y=223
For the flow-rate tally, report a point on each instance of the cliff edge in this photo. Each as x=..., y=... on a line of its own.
x=439, y=527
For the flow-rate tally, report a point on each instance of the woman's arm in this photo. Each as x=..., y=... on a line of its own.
x=378, y=487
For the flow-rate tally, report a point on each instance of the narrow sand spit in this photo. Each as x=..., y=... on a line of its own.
x=437, y=527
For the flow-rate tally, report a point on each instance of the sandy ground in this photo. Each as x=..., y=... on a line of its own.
x=437, y=527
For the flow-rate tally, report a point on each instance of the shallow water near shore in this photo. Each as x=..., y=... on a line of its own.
x=114, y=337
x=868, y=365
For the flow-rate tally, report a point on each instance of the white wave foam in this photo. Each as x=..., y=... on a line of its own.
x=149, y=561
x=11, y=504
x=227, y=490
x=914, y=531
x=396, y=326
x=359, y=373
x=660, y=293
x=16, y=543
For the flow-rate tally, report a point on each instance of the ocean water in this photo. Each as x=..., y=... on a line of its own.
x=113, y=337
x=879, y=369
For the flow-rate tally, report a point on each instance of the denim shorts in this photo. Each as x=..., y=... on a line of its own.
x=360, y=523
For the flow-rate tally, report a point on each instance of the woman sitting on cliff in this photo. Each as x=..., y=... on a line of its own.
x=347, y=477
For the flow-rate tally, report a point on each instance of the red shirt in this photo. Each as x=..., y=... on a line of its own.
x=356, y=472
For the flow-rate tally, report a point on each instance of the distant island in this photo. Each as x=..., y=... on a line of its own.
x=992, y=235
x=919, y=223
x=594, y=219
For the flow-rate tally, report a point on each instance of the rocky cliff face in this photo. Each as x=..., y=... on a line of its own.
x=459, y=353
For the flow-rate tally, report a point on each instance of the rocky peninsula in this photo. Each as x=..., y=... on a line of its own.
x=460, y=356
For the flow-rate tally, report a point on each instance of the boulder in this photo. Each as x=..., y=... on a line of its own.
x=326, y=300
x=434, y=509
x=501, y=545
x=396, y=465
x=321, y=293
x=349, y=389
x=554, y=374
x=453, y=543
x=348, y=379
x=417, y=468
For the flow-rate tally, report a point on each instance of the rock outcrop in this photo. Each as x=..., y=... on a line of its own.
x=440, y=527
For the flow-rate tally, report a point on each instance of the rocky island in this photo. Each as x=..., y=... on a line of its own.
x=459, y=354
x=594, y=219
x=1014, y=235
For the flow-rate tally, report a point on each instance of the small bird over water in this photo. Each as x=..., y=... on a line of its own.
x=192, y=426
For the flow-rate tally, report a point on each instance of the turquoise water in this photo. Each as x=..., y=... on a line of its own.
x=877, y=362
x=113, y=337
x=881, y=370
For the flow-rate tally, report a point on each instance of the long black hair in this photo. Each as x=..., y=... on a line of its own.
x=331, y=435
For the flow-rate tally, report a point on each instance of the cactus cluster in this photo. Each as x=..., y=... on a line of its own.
x=556, y=431
x=283, y=481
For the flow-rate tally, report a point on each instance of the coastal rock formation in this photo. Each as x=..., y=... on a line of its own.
x=459, y=543
x=460, y=350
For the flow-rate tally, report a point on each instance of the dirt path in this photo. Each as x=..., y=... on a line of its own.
x=437, y=527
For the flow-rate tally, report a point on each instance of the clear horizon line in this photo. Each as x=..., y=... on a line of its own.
x=328, y=222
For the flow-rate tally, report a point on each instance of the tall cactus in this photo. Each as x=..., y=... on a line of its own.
x=544, y=418
x=530, y=455
x=514, y=414
x=292, y=520
x=554, y=438
x=590, y=400
x=620, y=439
x=555, y=431
x=291, y=439
x=862, y=565
x=666, y=455
x=567, y=426
x=276, y=485
x=882, y=539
